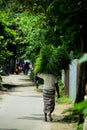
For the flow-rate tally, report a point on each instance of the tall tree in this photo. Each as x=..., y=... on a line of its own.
x=83, y=66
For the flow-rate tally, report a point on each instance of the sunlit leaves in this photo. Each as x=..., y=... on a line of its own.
x=64, y=18
x=33, y=31
x=7, y=35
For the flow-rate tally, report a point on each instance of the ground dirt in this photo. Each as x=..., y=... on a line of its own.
x=21, y=107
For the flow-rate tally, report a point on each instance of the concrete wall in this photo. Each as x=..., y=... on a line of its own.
x=70, y=80
x=73, y=79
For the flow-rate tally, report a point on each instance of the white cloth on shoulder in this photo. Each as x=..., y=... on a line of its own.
x=49, y=81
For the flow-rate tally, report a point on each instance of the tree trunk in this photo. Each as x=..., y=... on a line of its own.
x=83, y=66
x=82, y=82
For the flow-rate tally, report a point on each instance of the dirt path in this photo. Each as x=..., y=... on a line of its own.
x=21, y=108
x=59, y=123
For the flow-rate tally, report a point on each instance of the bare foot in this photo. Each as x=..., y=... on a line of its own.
x=50, y=117
x=45, y=118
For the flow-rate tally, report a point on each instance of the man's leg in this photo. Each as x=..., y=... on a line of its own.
x=45, y=114
x=50, y=115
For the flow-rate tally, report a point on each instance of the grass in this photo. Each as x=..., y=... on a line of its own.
x=63, y=99
x=80, y=127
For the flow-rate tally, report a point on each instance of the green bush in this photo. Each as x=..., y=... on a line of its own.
x=80, y=127
x=32, y=75
x=63, y=99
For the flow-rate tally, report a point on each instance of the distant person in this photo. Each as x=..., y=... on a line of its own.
x=17, y=69
x=27, y=68
x=49, y=86
x=23, y=67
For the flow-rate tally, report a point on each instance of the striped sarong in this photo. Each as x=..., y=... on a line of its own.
x=49, y=100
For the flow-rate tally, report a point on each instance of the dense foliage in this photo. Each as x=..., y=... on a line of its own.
x=7, y=35
x=40, y=22
x=33, y=28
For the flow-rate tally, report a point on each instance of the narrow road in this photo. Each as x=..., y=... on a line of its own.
x=21, y=108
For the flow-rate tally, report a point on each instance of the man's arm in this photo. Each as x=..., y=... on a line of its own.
x=57, y=89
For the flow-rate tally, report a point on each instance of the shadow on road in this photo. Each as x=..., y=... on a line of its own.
x=8, y=129
x=33, y=117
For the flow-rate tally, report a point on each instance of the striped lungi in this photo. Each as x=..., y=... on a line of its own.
x=49, y=100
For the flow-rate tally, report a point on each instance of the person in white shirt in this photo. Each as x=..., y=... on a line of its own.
x=50, y=82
